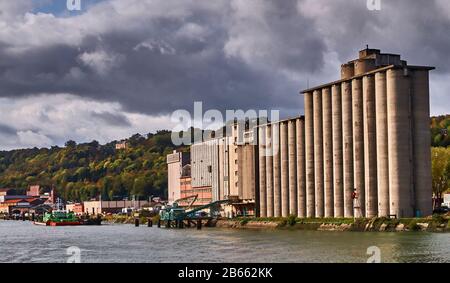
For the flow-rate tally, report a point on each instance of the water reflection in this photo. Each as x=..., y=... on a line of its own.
x=23, y=242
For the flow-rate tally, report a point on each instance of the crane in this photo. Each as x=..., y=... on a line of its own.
x=176, y=213
x=193, y=197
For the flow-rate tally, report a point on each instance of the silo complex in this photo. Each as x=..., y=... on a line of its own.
x=367, y=133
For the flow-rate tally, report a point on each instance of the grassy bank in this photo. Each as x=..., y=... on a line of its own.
x=437, y=223
x=125, y=219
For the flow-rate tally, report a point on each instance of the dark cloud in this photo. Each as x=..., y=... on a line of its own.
x=228, y=54
x=167, y=64
x=7, y=130
x=115, y=119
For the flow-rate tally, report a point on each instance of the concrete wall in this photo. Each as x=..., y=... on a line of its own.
x=262, y=171
x=225, y=165
x=399, y=143
x=269, y=172
x=201, y=163
x=328, y=152
x=301, y=168
x=367, y=133
x=382, y=144
x=347, y=135
x=358, y=146
x=370, y=146
x=292, y=160
x=247, y=182
x=421, y=141
x=276, y=170
x=318, y=154
x=284, y=183
x=338, y=164
x=309, y=152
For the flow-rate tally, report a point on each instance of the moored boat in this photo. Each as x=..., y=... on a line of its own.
x=59, y=218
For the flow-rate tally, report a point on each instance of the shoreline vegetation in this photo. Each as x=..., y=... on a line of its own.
x=436, y=223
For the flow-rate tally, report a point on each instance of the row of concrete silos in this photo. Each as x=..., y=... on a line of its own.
x=368, y=134
x=281, y=169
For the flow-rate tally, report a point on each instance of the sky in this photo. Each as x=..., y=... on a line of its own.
x=120, y=67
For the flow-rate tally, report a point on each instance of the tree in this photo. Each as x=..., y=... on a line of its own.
x=70, y=143
x=83, y=171
x=440, y=170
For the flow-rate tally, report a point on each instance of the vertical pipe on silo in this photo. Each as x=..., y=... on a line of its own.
x=269, y=171
x=276, y=170
x=309, y=152
x=301, y=169
x=347, y=139
x=399, y=130
x=338, y=167
x=284, y=155
x=358, y=145
x=328, y=152
x=262, y=171
x=370, y=146
x=382, y=144
x=292, y=137
x=421, y=142
x=318, y=152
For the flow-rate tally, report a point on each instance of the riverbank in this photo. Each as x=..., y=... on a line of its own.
x=437, y=223
x=125, y=219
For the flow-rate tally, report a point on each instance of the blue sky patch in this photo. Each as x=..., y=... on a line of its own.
x=59, y=7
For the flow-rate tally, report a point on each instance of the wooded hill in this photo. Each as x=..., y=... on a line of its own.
x=83, y=171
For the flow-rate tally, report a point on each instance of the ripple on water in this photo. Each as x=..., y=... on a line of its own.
x=24, y=242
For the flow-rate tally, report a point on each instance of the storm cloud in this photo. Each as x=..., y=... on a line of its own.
x=152, y=57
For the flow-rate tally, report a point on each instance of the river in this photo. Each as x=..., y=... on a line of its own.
x=25, y=242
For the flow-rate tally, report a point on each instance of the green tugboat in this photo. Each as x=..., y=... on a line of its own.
x=59, y=218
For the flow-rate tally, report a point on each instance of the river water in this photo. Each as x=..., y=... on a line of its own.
x=25, y=242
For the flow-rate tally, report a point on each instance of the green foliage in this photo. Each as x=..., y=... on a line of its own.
x=244, y=221
x=156, y=218
x=291, y=220
x=413, y=226
x=440, y=169
x=83, y=171
x=440, y=131
x=439, y=218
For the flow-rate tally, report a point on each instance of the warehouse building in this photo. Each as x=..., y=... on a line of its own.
x=362, y=148
x=175, y=163
x=226, y=165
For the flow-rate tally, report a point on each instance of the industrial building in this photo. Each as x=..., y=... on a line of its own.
x=226, y=164
x=175, y=162
x=362, y=148
x=222, y=167
x=95, y=207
